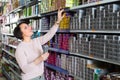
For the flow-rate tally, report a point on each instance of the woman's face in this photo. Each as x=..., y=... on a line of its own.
x=26, y=30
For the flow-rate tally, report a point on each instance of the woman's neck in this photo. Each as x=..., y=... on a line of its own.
x=27, y=39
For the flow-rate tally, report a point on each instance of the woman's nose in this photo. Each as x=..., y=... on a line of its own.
x=30, y=27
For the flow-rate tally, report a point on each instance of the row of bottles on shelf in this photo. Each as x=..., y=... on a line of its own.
x=96, y=45
x=105, y=17
x=54, y=75
x=60, y=41
x=35, y=24
x=10, y=67
x=10, y=72
x=10, y=40
x=48, y=22
x=31, y=11
x=9, y=49
x=83, y=69
x=26, y=12
x=13, y=4
x=46, y=5
x=49, y=5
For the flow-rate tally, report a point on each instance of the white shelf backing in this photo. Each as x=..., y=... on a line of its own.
x=94, y=4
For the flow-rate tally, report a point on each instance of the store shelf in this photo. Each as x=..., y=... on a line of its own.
x=5, y=60
x=32, y=3
x=15, y=72
x=67, y=9
x=86, y=31
x=14, y=64
x=96, y=31
x=56, y=68
x=93, y=4
x=8, y=34
x=59, y=50
x=31, y=17
x=10, y=45
x=16, y=10
x=8, y=52
x=8, y=24
x=59, y=31
x=24, y=6
x=93, y=58
x=6, y=74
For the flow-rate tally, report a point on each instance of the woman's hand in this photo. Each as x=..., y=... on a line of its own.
x=41, y=58
x=45, y=56
x=60, y=15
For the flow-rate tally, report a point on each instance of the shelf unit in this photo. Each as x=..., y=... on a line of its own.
x=71, y=10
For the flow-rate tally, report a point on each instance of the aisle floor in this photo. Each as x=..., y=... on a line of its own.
x=2, y=78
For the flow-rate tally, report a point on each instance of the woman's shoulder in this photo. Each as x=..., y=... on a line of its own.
x=20, y=45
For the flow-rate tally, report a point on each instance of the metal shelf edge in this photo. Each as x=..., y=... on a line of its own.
x=93, y=58
x=6, y=74
x=14, y=64
x=5, y=60
x=94, y=31
x=59, y=50
x=56, y=68
x=93, y=4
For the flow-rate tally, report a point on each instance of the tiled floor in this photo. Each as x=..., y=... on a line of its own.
x=2, y=78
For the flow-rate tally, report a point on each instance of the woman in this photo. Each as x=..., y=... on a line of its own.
x=29, y=53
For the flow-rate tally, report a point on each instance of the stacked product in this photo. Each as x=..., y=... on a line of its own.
x=96, y=45
x=53, y=75
x=60, y=41
x=57, y=60
x=104, y=17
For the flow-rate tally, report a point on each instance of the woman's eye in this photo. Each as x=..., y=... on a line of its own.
x=25, y=27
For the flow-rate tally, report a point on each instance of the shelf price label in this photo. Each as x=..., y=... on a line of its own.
x=98, y=2
x=93, y=30
x=91, y=56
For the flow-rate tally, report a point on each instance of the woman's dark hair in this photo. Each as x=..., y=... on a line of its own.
x=17, y=31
